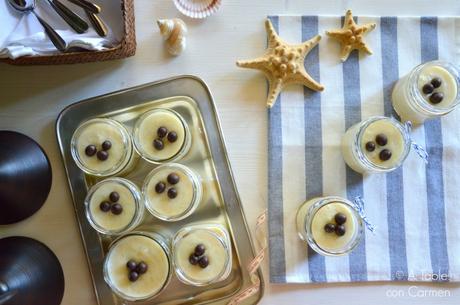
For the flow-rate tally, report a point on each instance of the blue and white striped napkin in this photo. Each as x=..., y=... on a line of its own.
x=416, y=209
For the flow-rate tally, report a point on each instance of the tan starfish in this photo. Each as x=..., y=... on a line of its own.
x=351, y=36
x=283, y=64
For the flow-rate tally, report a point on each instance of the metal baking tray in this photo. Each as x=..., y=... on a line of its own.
x=189, y=96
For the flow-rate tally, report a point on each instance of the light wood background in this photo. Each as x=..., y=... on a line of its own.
x=32, y=97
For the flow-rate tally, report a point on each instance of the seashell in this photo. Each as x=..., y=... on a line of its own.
x=198, y=8
x=173, y=32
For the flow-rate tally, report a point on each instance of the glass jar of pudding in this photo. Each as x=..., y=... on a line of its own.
x=102, y=147
x=172, y=192
x=429, y=90
x=114, y=206
x=138, y=266
x=330, y=225
x=378, y=144
x=161, y=135
x=202, y=254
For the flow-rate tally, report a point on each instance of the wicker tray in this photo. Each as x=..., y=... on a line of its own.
x=126, y=48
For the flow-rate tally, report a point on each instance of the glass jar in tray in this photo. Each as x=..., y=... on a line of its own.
x=190, y=165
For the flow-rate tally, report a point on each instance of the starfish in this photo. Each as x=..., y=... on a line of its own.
x=283, y=64
x=351, y=36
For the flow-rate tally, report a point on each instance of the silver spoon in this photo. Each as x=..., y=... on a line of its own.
x=76, y=22
x=27, y=7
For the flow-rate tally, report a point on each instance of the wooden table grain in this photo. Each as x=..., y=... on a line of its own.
x=32, y=97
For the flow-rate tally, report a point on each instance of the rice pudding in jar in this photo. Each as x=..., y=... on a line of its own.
x=430, y=90
x=202, y=254
x=172, y=192
x=330, y=225
x=138, y=266
x=161, y=135
x=114, y=206
x=378, y=144
x=102, y=147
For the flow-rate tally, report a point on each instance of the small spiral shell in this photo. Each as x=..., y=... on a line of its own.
x=173, y=32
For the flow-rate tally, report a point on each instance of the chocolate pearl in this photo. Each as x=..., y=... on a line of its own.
x=114, y=196
x=160, y=187
x=329, y=228
x=340, y=230
x=172, y=136
x=106, y=145
x=340, y=218
x=131, y=265
x=102, y=155
x=142, y=268
x=158, y=144
x=193, y=259
x=105, y=206
x=204, y=262
x=162, y=132
x=381, y=139
x=199, y=250
x=370, y=146
x=90, y=150
x=133, y=276
x=436, y=98
x=173, y=178
x=427, y=88
x=385, y=155
x=116, y=209
x=172, y=193
x=436, y=82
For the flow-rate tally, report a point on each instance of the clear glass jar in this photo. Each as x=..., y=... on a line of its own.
x=108, y=222
x=315, y=213
x=147, y=247
x=188, y=192
x=146, y=133
x=218, y=251
x=413, y=105
x=359, y=159
x=94, y=132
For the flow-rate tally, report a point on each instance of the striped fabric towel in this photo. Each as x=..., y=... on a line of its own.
x=415, y=209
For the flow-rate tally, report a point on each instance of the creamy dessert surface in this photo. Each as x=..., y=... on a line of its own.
x=448, y=85
x=148, y=133
x=95, y=134
x=108, y=220
x=216, y=253
x=140, y=249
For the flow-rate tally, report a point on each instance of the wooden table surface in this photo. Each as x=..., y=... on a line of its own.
x=32, y=97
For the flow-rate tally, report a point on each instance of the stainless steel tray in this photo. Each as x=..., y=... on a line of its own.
x=221, y=204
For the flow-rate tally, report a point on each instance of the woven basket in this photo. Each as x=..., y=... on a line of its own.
x=126, y=48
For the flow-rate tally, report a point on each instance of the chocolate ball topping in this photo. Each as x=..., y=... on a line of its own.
x=114, y=196
x=173, y=178
x=133, y=276
x=340, y=218
x=329, y=227
x=193, y=259
x=427, y=89
x=105, y=206
x=199, y=250
x=381, y=139
x=172, y=193
x=90, y=150
x=370, y=146
x=131, y=265
x=102, y=155
x=162, y=132
x=436, y=98
x=436, y=82
x=106, y=145
x=172, y=136
x=385, y=154
x=116, y=209
x=203, y=262
x=340, y=230
x=142, y=268
x=160, y=187
x=158, y=144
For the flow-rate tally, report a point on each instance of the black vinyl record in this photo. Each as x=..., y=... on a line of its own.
x=25, y=177
x=30, y=273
